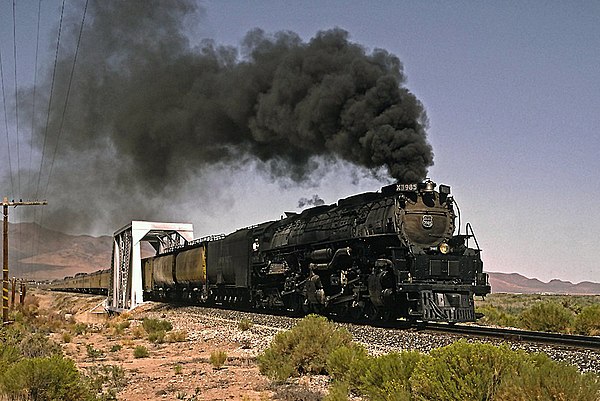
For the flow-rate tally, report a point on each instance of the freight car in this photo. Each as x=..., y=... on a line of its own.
x=388, y=254
x=89, y=283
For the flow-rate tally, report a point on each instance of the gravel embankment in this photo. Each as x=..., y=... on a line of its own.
x=208, y=323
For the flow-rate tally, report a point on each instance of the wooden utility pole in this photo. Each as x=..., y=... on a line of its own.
x=5, y=205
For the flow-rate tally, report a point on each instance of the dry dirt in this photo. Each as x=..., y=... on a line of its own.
x=172, y=371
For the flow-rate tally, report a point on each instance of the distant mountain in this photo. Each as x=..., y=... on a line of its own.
x=516, y=283
x=39, y=253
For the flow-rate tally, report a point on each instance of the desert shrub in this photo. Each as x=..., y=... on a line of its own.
x=178, y=369
x=386, y=377
x=140, y=352
x=50, y=322
x=157, y=337
x=540, y=378
x=13, y=334
x=303, y=349
x=177, y=336
x=93, y=352
x=154, y=325
x=66, y=337
x=41, y=379
x=37, y=345
x=347, y=364
x=156, y=329
x=296, y=393
x=462, y=371
x=587, y=322
x=547, y=316
x=16, y=316
x=497, y=317
x=29, y=309
x=338, y=391
x=105, y=381
x=218, y=358
x=80, y=328
x=116, y=348
x=182, y=395
x=138, y=332
x=245, y=324
x=119, y=327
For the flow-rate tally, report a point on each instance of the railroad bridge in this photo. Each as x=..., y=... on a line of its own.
x=126, y=290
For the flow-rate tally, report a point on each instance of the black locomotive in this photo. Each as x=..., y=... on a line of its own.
x=388, y=254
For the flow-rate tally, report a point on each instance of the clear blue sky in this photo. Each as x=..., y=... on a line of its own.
x=512, y=92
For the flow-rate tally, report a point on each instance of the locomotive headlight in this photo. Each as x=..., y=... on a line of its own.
x=444, y=248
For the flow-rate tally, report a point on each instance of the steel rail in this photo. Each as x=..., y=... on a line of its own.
x=570, y=340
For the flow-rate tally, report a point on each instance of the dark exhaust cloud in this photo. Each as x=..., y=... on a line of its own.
x=314, y=201
x=156, y=111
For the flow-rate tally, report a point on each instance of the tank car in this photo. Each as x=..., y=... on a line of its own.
x=388, y=254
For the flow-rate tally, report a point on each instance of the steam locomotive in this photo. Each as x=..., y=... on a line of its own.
x=376, y=255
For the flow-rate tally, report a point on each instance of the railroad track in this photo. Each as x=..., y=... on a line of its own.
x=568, y=340
x=513, y=335
x=507, y=334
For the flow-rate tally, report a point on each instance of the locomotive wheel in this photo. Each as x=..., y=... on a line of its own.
x=388, y=316
x=356, y=313
x=296, y=303
x=371, y=313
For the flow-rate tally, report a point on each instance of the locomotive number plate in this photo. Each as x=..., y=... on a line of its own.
x=406, y=187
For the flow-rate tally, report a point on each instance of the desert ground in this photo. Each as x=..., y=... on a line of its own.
x=179, y=370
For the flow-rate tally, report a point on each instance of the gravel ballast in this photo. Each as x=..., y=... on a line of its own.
x=207, y=323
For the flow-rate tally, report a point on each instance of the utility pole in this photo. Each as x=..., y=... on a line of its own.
x=5, y=205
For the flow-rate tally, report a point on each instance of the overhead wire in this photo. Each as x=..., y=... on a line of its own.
x=35, y=234
x=12, y=181
x=34, y=98
x=50, y=100
x=16, y=96
x=16, y=82
x=66, y=102
x=64, y=111
x=46, y=127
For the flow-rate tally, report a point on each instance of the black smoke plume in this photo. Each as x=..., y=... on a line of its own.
x=314, y=201
x=149, y=110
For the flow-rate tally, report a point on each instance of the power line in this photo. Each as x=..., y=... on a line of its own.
x=37, y=47
x=34, y=243
x=50, y=100
x=12, y=183
x=16, y=96
x=18, y=141
x=64, y=112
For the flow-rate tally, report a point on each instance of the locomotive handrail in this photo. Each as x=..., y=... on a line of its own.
x=467, y=228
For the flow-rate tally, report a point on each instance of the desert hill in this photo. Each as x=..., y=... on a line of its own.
x=40, y=253
x=516, y=283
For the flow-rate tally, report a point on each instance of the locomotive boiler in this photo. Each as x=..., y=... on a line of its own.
x=376, y=255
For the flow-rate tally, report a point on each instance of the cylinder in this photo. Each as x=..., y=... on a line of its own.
x=321, y=255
